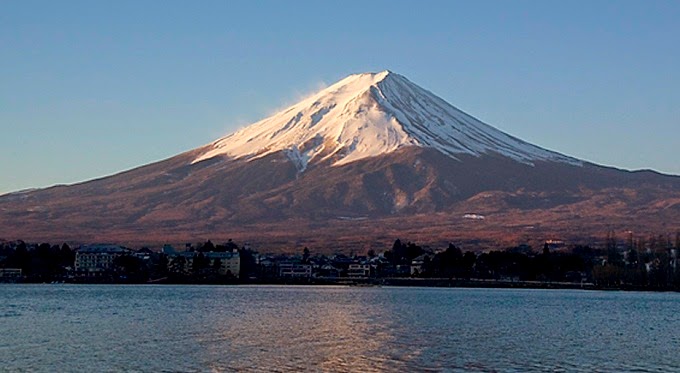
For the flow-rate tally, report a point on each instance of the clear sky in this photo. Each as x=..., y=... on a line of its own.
x=90, y=88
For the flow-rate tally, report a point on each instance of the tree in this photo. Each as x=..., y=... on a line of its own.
x=248, y=264
x=630, y=241
x=208, y=246
x=653, y=244
x=305, y=255
x=449, y=262
x=66, y=256
x=397, y=245
x=131, y=266
x=425, y=270
x=396, y=255
x=614, y=257
x=469, y=261
x=178, y=264
x=217, y=265
x=22, y=258
x=43, y=262
x=161, y=266
x=228, y=246
x=633, y=258
x=200, y=262
x=413, y=251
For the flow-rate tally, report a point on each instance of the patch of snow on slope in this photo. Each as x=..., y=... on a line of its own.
x=300, y=160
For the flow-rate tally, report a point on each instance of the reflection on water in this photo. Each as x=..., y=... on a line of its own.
x=296, y=328
x=334, y=329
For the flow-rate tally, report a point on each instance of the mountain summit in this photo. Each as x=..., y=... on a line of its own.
x=367, y=115
x=369, y=159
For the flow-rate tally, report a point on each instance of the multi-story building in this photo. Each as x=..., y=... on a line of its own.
x=93, y=260
x=230, y=262
x=183, y=261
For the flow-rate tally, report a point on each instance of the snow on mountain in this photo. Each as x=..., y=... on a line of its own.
x=366, y=115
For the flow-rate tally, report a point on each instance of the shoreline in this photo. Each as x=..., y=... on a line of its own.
x=379, y=282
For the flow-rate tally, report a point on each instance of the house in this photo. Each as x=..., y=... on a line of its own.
x=327, y=270
x=417, y=265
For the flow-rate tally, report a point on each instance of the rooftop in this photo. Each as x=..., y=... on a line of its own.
x=103, y=248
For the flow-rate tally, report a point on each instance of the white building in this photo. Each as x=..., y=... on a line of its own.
x=288, y=269
x=96, y=259
x=417, y=265
x=359, y=270
x=230, y=262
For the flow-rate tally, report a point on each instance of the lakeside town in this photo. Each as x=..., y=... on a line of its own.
x=634, y=263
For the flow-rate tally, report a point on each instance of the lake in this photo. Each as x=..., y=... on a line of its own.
x=71, y=328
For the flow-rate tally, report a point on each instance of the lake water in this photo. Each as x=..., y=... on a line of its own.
x=67, y=328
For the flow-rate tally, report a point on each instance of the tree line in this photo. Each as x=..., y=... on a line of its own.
x=646, y=263
x=635, y=263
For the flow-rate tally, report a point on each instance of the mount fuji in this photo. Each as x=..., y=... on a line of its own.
x=371, y=158
x=368, y=115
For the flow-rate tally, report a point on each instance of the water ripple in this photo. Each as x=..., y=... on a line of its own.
x=334, y=329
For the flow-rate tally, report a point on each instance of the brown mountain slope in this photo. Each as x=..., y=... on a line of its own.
x=413, y=193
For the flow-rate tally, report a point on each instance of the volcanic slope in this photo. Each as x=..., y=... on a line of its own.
x=368, y=159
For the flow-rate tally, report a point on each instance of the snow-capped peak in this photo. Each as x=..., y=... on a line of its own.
x=366, y=115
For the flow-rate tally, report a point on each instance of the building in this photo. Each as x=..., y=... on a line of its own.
x=93, y=260
x=327, y=270
x=183, y=261
x=230, y=262
x=298, y=270
x=417, y=265
x=180, y=262
x=359, y=270
x=10, y=274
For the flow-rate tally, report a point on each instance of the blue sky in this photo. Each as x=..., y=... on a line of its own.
x=91, y=88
